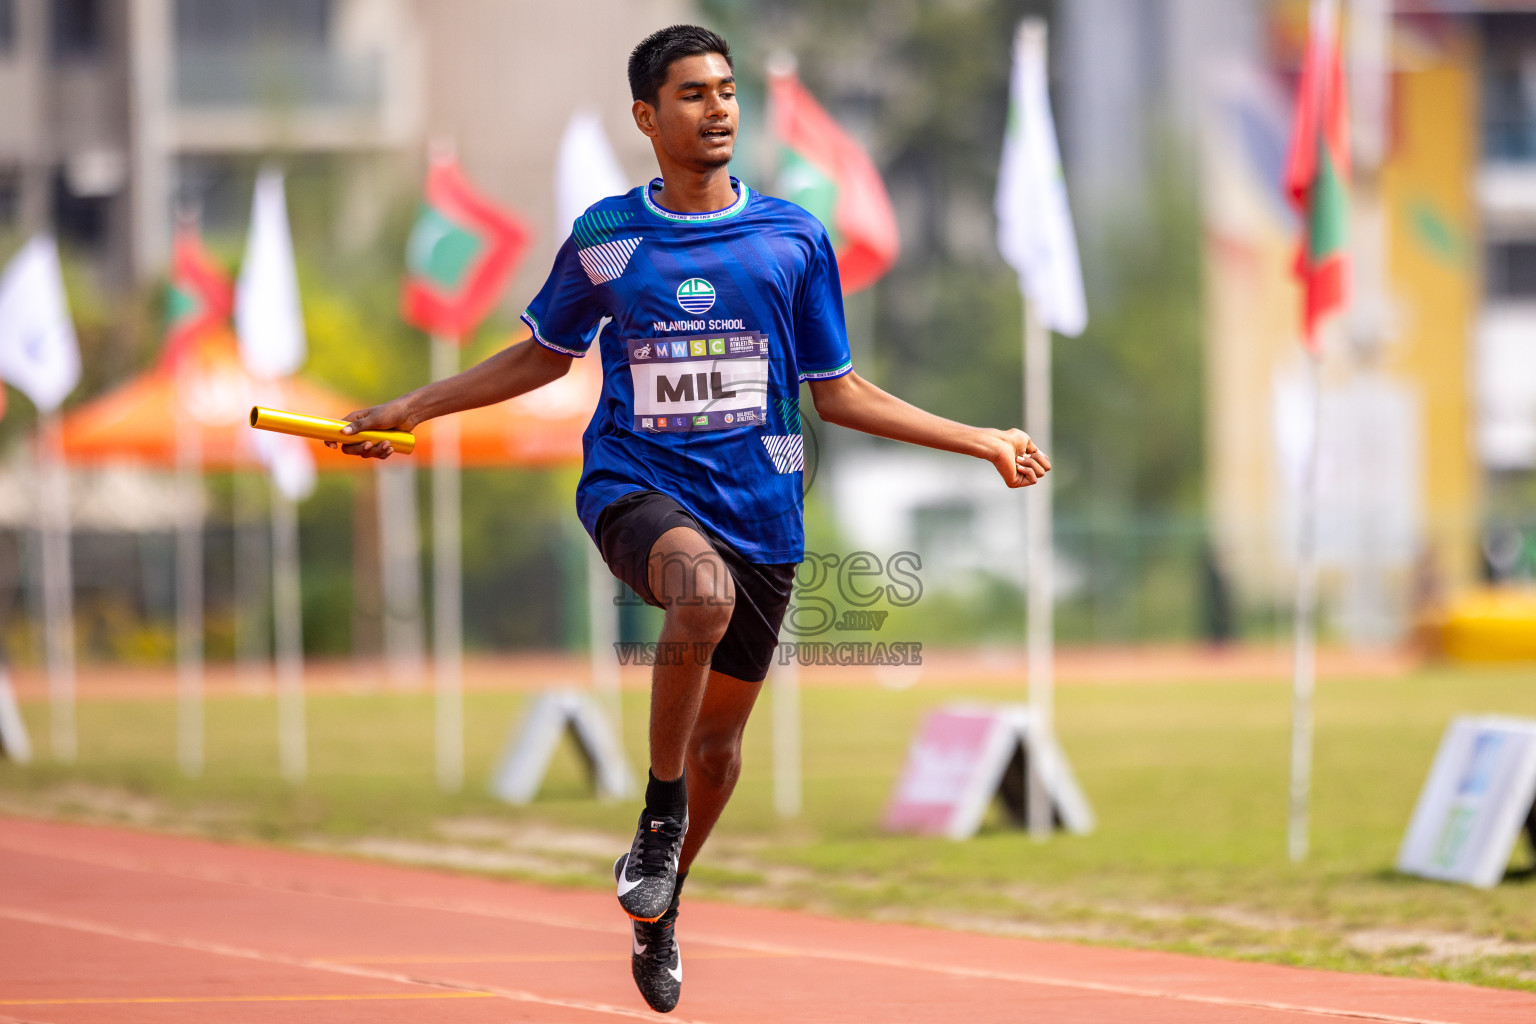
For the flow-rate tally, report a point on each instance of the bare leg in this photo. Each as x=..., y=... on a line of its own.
x=694, y=586
x=714, y=756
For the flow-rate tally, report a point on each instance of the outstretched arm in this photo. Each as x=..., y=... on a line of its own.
x=511, y=372
x=853, y=402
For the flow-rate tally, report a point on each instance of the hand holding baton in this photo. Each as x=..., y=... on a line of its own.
x=321, y=428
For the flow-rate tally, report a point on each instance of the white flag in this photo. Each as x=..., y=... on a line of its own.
x=289, y=461
x=1034, y=222
x=585, y=170
x=38, y=350
x=267, y=314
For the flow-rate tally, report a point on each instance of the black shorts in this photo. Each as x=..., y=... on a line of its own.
x=629, y=527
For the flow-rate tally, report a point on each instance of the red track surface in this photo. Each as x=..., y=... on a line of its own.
x=941, y=670
x=99, y=925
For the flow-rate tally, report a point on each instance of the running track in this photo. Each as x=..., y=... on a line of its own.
x=101, y=925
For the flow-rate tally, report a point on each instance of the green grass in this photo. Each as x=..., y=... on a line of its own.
x=1188, y=781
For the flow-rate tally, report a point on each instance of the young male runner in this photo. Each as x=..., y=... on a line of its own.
x=710, y=304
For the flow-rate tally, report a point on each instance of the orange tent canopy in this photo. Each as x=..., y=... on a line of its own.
x=542, y=428
x=138, y=421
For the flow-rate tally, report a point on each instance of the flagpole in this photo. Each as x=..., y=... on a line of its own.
x=1038, y=598
x=448, y=581
x=787, y=784
x=1304, y=675
x=253, y=580
x=58, y=586
x=288, y=628
x=1370, y=617
x=400, y=556
x=602, y=616
x=189, y=588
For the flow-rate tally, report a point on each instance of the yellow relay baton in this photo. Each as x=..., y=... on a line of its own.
x=322, y=428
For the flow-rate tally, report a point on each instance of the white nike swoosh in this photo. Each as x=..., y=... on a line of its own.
x=677, y=972
x=637, y=947
x=625, y=884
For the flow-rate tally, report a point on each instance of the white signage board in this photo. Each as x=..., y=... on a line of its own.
x=526, y=761
x=964, y=756
x=1473, y=805
x=14, y=743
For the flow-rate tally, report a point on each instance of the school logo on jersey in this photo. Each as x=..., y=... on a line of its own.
x=696, y=295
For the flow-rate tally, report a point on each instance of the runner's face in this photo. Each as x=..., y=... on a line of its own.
x=695, y=114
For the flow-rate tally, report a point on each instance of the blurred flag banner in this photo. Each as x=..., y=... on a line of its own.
x=268, y=317
x=270, y=322
x=1034, y=221
x=459, y=256
x=1317, y=173
x=586, y=169
x=38, y=351
x=201, y=296
x=824, y=170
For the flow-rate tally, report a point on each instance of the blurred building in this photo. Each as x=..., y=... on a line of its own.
x=1429, y=399
x=1133, y=78
x=116, y=110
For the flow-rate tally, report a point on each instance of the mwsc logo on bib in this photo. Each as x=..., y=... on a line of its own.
x=696, y=295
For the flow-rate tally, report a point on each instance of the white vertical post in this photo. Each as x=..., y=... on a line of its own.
x=1039, y=595
x=150, y=31
x=448, y=582
x=1370, y=617
x=603, y=617
x=787, y=784
x=400, y=560
x=189, y=592
x=1304, y=676
x=288, y=620
x=58, y=586
x=253, y=582
x=1370, y=98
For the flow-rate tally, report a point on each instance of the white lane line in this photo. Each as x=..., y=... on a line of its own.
x=773, y=949
x=177, y=1000
x=351, y=970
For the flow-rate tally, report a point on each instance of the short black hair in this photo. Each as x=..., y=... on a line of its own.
x=649, y=62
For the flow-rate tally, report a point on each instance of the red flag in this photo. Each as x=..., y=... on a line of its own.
x=827, y=172
x=460, y=254
x=201, y=296
x=1317, y=174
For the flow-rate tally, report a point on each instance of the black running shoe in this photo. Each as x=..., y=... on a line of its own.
x=656, y=962
x=647, y=874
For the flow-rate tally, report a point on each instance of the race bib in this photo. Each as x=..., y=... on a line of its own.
x=708, y=382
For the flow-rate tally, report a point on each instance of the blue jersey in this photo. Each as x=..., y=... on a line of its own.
x=706, y=324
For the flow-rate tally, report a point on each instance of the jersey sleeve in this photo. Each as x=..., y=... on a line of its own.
x=567, y=312
x=821, y=335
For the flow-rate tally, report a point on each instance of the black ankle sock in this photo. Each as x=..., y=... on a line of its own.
x=667, y=799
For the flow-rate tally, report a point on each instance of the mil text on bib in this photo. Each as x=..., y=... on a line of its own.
x=707, y=382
